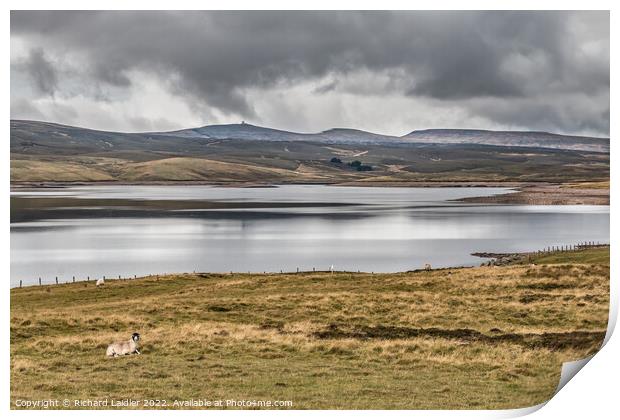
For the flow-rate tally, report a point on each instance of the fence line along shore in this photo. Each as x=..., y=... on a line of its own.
x=497, y=258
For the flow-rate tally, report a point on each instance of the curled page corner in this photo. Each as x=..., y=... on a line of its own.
x=519, y=412
x=570, y=369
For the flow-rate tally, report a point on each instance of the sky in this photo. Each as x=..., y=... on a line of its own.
x=309, y=71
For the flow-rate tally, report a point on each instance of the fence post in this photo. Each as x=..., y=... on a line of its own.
x=39, y=281
x=20, y=284
x=73, y=279
x=56, y=279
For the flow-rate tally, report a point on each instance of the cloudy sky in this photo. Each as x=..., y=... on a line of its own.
x=387, y=72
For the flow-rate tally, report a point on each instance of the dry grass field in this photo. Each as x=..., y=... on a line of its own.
x=62, y=171
x=471, y=338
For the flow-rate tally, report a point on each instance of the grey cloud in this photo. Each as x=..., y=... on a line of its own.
x=326, y=87
x=141, y=124
x=579, y=112
x=26, y=109
x=64, y=111
x=40, y=70
x=211, y=59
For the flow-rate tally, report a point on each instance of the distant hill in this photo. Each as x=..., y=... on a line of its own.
x=509, y=138
x=348, y=135
x=50, y=138
x=440, y=136
x=36, y=131
x=236, y=131
x=253, y=132
x=233, y=153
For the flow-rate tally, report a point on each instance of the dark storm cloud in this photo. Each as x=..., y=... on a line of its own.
x=212, y=59
x=41, y=71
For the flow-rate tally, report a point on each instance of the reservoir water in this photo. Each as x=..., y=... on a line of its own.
x=137, y=230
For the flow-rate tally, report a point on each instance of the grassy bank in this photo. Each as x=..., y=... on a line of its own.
x=487, y=337
x=585, y=256
x=585, y=193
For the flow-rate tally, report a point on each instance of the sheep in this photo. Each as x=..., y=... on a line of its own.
x=122, y=348
x=100, y=282
x=427, y=267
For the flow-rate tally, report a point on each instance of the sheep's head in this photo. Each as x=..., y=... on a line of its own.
x=135, y=337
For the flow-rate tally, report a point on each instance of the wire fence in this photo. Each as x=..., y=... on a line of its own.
x=545, y=251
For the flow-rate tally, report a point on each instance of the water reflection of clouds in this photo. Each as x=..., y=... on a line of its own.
x=282, y=193
x=391, y=235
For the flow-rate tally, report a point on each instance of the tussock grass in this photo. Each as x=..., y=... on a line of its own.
x=31, y=170
x=488, y=337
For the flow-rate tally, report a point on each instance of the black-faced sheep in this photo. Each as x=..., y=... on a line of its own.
x=122, y=348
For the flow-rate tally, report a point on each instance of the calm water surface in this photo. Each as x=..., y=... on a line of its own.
x=137, y=230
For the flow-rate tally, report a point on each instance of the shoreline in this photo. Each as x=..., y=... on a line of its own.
x=548, y=195
x=528, y=193
x=248, y=184
x=487, y=259
x=158, y=276
x=395, y=339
